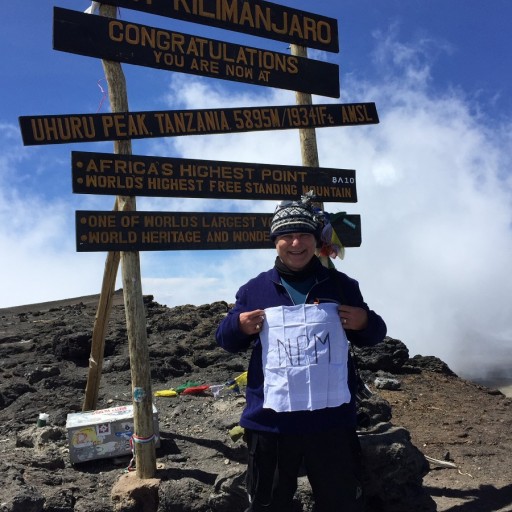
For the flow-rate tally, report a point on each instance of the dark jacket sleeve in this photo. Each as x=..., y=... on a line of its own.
x=228, y=334
x=376, y=329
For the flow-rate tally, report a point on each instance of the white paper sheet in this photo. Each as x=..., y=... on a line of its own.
x=305, y=352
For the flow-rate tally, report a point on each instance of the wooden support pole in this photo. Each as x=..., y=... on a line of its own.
x=99, y=331
x=144, y=440
x=308, y=145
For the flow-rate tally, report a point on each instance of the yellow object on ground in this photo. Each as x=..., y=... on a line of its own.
x=166, y=392
x=241, y=380
x=236, y=433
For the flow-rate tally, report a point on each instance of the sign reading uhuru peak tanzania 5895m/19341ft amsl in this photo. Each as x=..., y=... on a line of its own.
x=132, y=43
x=59, y=129
x=255, y=17
x=160, y=231
x=136, y=175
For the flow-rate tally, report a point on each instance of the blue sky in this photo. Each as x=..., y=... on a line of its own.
x=434, y=177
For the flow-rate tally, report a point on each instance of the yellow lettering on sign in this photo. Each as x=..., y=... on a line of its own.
x=195, y=47
x=111, y=237
x=140, y=35
x=217, y=236
x=114, y=182
x=205, y=66
x=175, y=184
x=264, y=76
x=241, y=72
x=192, y=122
x=221, y=172
x=223, y=222
x=57, y=129
x=247, y=119
x=251, y=236
x=99, y=221
x=355, y=114
x=169, y=237
x=137, y=125
x=228, y=187
x=126, y=167
x=329, y=192
x=283, y=175
x=169, y=59
x=170, y=221
x=125, y=126
x=253, y=15
x=282, y=189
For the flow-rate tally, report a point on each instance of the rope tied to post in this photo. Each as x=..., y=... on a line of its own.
x=140, y=440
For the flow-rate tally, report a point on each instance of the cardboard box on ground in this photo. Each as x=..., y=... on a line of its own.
x=103, y=434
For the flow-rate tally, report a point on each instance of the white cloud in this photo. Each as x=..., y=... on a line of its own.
x=435, y=196
x=434, y=189
x=38, y=260
x=435, y=204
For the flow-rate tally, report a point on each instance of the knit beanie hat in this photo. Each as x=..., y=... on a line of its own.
x=296, y=217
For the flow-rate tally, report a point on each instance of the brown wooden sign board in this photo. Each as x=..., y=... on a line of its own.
x=131, y=43
x=135, y=175
x=60, y=129
x=257, y=18
x=172, y=231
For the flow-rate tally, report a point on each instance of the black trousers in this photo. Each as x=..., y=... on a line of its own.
x=332, y=461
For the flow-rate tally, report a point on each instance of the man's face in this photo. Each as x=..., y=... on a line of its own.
x=296, y=249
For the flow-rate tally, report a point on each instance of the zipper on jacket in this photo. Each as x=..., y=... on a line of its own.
x=319, y=300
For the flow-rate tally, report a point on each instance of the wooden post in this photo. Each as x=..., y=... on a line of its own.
x=99, y=331
x=308, y=145
x=144, y=440
x=307, y=136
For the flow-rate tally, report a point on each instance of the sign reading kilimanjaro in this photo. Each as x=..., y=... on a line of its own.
x=59, y=129
x=257, y=18
x=131, y=43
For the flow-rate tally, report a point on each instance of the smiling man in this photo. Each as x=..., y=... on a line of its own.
x=299, y=318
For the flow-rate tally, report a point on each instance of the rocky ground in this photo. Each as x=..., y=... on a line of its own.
x=453, y=420
x=463, y=428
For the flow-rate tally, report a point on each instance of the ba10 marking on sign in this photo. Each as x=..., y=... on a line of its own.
x=264, y=19
x=59, y=129
x=134, y=175
x=166, y=231
x=132, y=43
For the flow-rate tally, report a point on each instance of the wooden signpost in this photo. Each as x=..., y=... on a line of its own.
x=257, y=18
x=143, y=437
x=174, y=231
x=126, y=230
x=104, y=173
x=60, y=129
x=131, y=43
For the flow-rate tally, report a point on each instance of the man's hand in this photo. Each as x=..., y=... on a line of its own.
x=251, y=322
x=353, y=318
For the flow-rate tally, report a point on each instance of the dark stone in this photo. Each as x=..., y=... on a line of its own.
x=430, y=364
x=389, y=356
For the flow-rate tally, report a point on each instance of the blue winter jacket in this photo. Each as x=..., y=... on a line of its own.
x=266, y=291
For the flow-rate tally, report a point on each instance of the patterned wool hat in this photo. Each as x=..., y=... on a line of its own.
x=296, y=217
